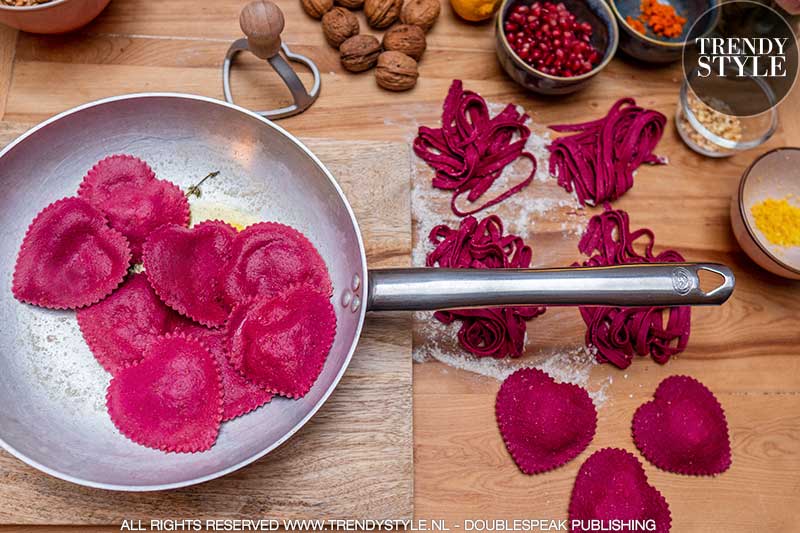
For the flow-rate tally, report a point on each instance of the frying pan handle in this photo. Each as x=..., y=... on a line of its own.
x=425, y=289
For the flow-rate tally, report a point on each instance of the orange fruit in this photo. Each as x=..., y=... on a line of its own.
x=475, y=10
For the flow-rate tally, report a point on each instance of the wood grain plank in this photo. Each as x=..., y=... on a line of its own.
x=469, y=462
x=747, y=351
x=8, y=45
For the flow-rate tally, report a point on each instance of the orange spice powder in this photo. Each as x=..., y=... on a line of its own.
x=636, y=24
x=662, y=18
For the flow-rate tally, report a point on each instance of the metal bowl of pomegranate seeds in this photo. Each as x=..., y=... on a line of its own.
x=555, y=47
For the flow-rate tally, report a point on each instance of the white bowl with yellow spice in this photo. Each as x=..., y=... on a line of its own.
x=765, y=212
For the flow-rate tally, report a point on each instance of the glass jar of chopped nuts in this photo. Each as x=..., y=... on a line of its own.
x=712, y=133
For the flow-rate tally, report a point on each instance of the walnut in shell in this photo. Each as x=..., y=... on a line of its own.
x=359, y=53
x=396, y=71
x=316, y=8
x=351, y=4
x=422, y=13
x=405, y=38
x=338, y=25
x=382, y=13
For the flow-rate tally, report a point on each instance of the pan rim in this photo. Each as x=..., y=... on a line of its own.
x=356, y=337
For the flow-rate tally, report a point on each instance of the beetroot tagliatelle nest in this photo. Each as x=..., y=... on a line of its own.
x=619, y=332
x=470, y=150
x=496, y=332
x=599, y=158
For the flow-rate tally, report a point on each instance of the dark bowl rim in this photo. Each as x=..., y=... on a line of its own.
x=657, y=42
x=610, y=51
x=37, y=7
x=750, y=231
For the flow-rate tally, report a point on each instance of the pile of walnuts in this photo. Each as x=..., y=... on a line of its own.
x=403, y=44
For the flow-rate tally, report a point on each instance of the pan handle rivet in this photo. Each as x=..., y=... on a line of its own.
x=356, y=304
x=356, y=282
x=347, y=296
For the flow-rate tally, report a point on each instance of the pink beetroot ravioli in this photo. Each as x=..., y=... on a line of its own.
x=171, y=400
x=239, y=395
x=268, y=257
x=683, y=429
x=70, y=257
x=184, y=267
x=281, y=343
x=124, y=188
x=612, y=485
x=120, y=328
x=543, y=423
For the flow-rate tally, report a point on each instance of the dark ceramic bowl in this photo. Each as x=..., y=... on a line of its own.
x=652, y=48
x=605, y=36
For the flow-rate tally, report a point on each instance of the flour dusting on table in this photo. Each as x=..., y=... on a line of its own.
x=550, y=220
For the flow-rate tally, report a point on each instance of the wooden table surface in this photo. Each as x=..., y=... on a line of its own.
x=746, y=351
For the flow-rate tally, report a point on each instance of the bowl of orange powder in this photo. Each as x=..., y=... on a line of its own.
x=765, y=212
x=655, y=30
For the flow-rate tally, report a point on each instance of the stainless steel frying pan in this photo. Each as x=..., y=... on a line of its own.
x=52, y=390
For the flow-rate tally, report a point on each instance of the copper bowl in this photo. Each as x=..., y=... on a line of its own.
x=772, y=175
x=57, y=16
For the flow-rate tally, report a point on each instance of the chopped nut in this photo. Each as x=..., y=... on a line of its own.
x=728, y=127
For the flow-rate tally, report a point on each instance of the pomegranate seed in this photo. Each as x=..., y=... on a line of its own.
x=547, y=36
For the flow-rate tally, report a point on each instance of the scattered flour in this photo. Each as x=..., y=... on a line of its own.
x=542, y=203
x=572, y=365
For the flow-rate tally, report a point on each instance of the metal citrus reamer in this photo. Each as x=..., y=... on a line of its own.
x=262, y=23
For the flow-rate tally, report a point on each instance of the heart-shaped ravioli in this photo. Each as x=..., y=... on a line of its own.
x=70, y=257
x=240, y=396
x=122, y=327
x=611, y=485
x=683, y=429
x=543, y=423
x=171, y=400
x=184, y=267
x=268, y=257
x=125, y=189
x=281, y=343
